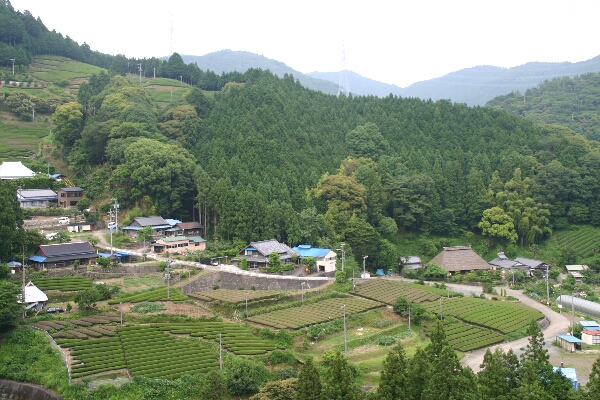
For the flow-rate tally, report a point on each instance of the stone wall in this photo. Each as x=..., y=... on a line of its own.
x=10, y=390
x=227, y=280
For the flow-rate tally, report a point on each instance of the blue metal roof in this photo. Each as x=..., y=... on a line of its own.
x=306, y=250
x=570, y=338
x=589, y=324
x=37, y=258
x=569, y=373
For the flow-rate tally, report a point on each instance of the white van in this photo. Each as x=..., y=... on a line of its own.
x=64, y=220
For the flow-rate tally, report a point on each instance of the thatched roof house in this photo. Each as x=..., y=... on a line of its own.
x=460, y=259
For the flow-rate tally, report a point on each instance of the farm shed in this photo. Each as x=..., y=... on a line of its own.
x=460, y=259
x=575, y=270
x=570, y=374
x=569, y=342
x=80, y=226
x=410, y=262
x=34, y=297
x=14, y=266
x=590, y=336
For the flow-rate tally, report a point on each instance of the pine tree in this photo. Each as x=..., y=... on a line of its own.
x=534, y=360
x=393, y=382
x=498, y=375
x=308, y=386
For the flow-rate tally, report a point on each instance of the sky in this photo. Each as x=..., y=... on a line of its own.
x=394, y=41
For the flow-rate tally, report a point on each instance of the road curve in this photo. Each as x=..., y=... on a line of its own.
x=556, y=324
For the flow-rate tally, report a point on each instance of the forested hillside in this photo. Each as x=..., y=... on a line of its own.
x=265, y=157
x=571, y=102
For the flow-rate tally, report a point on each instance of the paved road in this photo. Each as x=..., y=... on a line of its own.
x=557, y=323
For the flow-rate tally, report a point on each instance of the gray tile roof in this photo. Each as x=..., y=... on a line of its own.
x=267, y=247
x=72, y=189
x=65, y=249
x=33, y=193
x=150, y=221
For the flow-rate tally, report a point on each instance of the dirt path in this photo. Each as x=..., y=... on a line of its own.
x=556, y=324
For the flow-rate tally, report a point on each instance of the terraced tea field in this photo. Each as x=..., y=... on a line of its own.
x=235, y=296
x=156, y=350
x=64, y=284
x=387, y=291
x=322, y=311
x=465, y=337
x=583, y=240
x=158, y=294
x=500, y=316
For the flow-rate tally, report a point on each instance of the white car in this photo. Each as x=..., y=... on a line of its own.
x=64, y=220
x=112, y=225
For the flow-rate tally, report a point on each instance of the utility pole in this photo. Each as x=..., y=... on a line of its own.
x=33, y=115
x=409, y=319
x=154, y=75
x=13, y=61
x=140, y=69
x=441, y=315
x=302, y=284
x=220, y=352
x=168, y=279
x=345, y=341
x=246, y=304
x=343, y=255
x=547, y=287
x=364, y=266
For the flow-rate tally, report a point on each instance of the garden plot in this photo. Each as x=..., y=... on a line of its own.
x=299, y=317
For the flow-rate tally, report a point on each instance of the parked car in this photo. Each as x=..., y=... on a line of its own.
x=55, y=309
x=112, y=224
x=64, y=220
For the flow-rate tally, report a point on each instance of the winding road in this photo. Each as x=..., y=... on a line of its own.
x=556, y=324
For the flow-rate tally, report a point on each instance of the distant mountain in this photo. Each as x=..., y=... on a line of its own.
x=473, y=86
x=241, y=61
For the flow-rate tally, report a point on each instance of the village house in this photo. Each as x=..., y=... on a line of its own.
x=63, y=255
x=460, y=260
x=69, y=196
x=408, y=263
x=325, y=258
x=158, y=224
x=257, y=253
x=36, y=198
x=177, y=244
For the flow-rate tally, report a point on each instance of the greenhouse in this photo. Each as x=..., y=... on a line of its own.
x=572, y=303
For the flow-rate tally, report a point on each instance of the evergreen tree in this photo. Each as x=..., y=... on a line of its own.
x=308, y=386
x=339, y=379
x=418, y=374
x=393, y=381
x=497, y=378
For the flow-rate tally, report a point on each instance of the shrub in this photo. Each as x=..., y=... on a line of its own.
x=385, y=340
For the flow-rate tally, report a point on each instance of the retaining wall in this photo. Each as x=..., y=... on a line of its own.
x=11, y=390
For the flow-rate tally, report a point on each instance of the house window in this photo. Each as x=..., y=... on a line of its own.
x=62, y=194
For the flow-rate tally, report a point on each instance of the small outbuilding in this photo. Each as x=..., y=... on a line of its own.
x=569, y=342
x=34, y=297
x=570, y=374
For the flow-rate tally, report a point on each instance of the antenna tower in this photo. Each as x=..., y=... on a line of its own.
x=344, y=86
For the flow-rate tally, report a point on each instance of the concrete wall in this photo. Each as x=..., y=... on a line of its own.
x=24, y=391
x=227, y=280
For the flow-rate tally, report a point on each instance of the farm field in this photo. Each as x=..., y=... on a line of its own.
x=20, y=139
x=235, y=296
x=64, y=284
x=465, y=337
x=582, y=240
x=504, y=317
x=386, y=291
x=322, y=311
x=56, y=68
x=157, y=294
x=153, y=351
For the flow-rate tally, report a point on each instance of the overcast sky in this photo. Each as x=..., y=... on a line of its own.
x=393, y=41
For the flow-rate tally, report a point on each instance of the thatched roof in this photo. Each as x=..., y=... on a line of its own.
x=460, y=258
